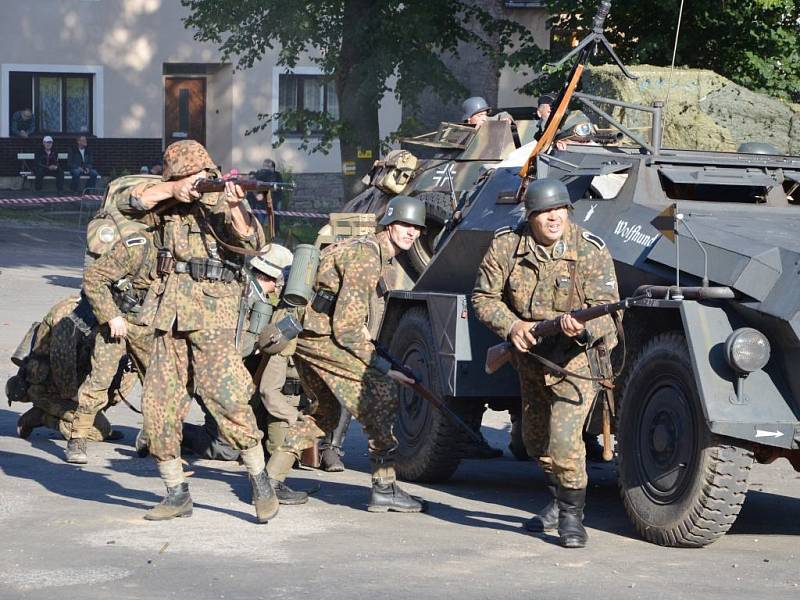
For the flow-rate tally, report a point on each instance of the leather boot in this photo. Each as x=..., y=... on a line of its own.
x=330, y=447
x=571, y=503
x=264, y=498
x=287, y=495
x=29, y=421
x=142, y=449
x=390, y=497
x=76, y=451
x=177, y=503
x=547, y=517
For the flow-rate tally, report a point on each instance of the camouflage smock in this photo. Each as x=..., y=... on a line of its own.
x=184, y=231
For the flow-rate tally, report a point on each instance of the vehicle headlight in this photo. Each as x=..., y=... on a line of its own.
x=747, y=350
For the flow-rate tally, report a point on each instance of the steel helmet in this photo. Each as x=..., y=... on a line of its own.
x=472, y=106
x=758, y=148
x=577, y=126
x=404, y=209
x=546, y=194
x=185, y=158
x=273, y=261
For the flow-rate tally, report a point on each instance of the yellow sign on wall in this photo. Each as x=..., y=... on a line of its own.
x=349, y=167
x=364, y=154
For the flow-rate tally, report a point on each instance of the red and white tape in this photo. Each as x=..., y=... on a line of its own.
x=98, y=198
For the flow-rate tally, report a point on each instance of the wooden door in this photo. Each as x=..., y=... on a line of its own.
x=185, y=109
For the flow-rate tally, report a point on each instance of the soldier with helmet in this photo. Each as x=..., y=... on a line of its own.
x=544, y=269
x=194, y=308
x=337, y=361
x=475, y=111
x=115, y=285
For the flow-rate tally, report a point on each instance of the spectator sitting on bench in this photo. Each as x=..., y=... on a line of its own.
x=47, y=164
x=157, y=168
x=80, y=162
x=22, y=123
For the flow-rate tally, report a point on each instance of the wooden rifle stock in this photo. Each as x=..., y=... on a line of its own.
x=499, y=354
x=204, y=186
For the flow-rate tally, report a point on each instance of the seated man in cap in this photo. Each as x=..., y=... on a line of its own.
x=46, y=163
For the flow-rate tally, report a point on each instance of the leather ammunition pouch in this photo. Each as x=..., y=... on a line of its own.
x=324, y=302
x=127, y=299
x=165, y=263
x=292, y=387
x=202, y=269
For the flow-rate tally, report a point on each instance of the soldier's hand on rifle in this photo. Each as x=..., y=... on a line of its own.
x=118, y=326
x=234, y=193
x=183, y=189
x=521, y=336
x=400, y=377
x=570, y=326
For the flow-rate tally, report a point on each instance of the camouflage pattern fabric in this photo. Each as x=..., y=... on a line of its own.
x=518, y=281
x=335, y=359
x=185, y=158
x=59, y=343
x=204, y=362
x=132, y=258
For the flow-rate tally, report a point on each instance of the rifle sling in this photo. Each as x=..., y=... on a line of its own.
x=229, y=247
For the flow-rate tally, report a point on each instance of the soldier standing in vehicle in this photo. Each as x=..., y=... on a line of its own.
x=194, y=309
x=115, y=285
x=544, y=269
x=337, y=361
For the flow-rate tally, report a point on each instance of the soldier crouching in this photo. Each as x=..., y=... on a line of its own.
x=194, y=308
x=543, y=270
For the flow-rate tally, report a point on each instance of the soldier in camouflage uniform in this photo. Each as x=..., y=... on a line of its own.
x=336, y=360
x=115, y=285
x=52, y=366
x=194, y=308
x=543, y=270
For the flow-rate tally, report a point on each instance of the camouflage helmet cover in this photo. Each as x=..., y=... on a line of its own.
x=546, y=194
x=472, y=106
x=184, y=158
x=404, y=209
x=273, y=261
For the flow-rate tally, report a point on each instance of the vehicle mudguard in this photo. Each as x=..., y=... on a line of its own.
x=762, y=412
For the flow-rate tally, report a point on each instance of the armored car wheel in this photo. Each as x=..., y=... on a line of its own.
x=681, y=485
x=427, y=440
x=438, y=208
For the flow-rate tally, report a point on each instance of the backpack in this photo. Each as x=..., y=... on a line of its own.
x=392, y=174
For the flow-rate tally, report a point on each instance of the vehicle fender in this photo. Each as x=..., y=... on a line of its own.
x=761, y=411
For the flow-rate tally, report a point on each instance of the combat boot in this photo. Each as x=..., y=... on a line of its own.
x=547, y=518
x=287, y=495
x=76, y=451
x=571, y=503
x=177, y=503
x=141, y=446
x=387, y=497
x=29, y=421
x=330, y=460
x=264, y=498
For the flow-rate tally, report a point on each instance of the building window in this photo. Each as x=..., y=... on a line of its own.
x=307, y=92
x=61, y=102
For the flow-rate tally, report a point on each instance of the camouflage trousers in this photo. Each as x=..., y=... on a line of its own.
x=334, y=378
x=553, y=417
x=95, y=392
x=206, y=363
x=58, y=414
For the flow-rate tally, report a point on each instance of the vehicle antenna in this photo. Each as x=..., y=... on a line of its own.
x=674, y=54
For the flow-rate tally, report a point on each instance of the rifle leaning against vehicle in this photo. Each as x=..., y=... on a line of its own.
x=499, y=354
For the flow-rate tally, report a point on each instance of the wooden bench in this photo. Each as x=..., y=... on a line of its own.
x=26, y=172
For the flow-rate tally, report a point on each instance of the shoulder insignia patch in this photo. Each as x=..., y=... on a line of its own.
x=135, y=241
x=593, y=239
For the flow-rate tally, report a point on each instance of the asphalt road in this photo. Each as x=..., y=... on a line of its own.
x=78, y=531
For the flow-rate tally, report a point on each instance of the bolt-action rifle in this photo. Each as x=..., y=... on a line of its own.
x=500, y=354
x=433, y=399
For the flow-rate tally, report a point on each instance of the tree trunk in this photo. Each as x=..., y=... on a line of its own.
x=359, y=97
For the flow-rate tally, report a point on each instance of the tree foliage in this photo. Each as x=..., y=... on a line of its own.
x=364, y=46
x=755, y=43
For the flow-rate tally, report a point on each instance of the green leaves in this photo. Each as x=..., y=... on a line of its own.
x=755, y=43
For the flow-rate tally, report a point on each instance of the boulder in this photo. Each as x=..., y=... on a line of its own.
x=705, y=111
